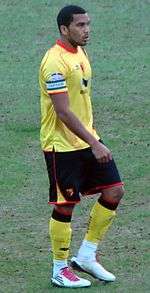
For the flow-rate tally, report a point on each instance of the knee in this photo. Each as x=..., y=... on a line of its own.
x=118, y=193
x=64, y=209
x=62, y=213
x=112, y=196
x=115, y=192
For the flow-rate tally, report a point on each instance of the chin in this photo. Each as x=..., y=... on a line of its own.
x=83, y=43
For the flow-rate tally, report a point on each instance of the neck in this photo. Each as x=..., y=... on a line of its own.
x=67, y=43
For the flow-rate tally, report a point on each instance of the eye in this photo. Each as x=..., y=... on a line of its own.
x=81, y=24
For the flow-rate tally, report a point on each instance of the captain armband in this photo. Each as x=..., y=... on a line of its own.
x=56, y=84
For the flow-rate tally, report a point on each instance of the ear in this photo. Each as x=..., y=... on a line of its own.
x=64, y=30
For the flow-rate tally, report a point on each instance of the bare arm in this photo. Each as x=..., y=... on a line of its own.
x=61, y=106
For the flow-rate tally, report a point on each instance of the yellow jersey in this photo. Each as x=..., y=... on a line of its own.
x=64, y=69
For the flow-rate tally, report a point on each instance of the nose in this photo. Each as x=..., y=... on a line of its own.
x=86, y=29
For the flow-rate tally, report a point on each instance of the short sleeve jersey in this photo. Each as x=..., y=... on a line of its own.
x=64, y=69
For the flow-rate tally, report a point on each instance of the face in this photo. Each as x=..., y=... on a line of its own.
x=77, y=33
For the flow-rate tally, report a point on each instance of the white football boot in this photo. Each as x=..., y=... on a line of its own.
x=66, y=278
x=92, y=267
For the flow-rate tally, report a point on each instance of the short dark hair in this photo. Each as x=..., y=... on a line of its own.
x=65, y=15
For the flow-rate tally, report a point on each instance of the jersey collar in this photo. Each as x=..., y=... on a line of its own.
x=66, y=47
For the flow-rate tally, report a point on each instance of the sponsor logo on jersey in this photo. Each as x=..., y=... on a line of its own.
x=55, y=77
x=77, y=66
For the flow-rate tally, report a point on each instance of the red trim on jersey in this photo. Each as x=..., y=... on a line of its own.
x=66, y=46
x=82, y=67
x=100, y=187
x=57, y=93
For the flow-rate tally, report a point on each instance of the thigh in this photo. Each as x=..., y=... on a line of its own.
x=100, y=176
x=65, y=176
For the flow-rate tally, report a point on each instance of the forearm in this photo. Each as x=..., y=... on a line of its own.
x=61, y=106
x=74, y=124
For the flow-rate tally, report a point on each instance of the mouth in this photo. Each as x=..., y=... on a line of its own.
x=86, y=38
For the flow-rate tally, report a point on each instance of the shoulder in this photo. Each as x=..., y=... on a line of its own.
x=52, y=56
x=53, y=62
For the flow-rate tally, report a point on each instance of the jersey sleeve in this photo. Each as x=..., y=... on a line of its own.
x=55, y=77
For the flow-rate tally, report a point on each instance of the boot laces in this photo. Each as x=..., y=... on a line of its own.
x=67, y=273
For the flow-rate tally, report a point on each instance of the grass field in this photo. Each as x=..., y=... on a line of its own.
x=120, y=54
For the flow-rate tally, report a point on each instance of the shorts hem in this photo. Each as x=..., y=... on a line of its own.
x=99, y=188
x=62, y=203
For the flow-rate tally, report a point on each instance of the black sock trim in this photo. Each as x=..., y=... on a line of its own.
x=108, y=205
x=60, y=217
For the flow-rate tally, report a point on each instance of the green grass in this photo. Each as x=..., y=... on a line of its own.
x=119, y=51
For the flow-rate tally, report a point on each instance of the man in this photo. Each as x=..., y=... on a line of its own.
x=78, y=162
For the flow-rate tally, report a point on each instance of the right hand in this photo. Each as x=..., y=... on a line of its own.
x=101, y=152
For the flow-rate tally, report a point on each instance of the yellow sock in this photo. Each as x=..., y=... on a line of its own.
x=60, y=234
x=100, y=220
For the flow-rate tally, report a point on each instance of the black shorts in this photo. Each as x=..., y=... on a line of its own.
x=76, y=173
